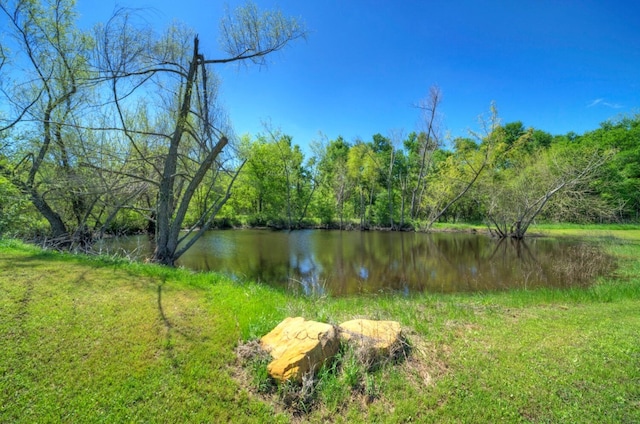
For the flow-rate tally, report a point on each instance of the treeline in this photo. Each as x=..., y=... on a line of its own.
x=506, y=178
x=118, y=130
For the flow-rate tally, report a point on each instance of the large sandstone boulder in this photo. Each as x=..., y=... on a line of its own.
x=374, y=339
x=299, y=347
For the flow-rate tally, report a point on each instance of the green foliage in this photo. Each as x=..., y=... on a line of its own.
x=124, y=131
x=378, y=183
x=324, y=208
x=275, y=184
x=248, y=32
x=335, y=187
x=620, y=184
x=380, y=208
x=13, y=208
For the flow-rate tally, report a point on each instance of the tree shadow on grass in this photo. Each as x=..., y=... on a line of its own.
x=168, y=329
x=171, y=329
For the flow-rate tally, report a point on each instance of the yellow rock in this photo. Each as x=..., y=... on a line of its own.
x=299, y=347
x=383, y=338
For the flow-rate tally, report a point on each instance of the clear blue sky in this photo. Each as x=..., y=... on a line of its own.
x=558, y=66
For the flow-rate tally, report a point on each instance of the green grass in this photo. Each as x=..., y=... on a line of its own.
x=461, y=226
x=104, y=340
x=93, y=341
x=619, y=231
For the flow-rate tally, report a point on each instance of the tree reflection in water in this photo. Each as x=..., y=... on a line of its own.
x=318, y=262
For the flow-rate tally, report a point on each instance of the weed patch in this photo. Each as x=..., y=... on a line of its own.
x=352, y=375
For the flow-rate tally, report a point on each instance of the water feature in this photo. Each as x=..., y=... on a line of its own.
x=317, y=262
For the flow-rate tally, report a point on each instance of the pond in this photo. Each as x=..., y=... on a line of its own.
x=339, y=263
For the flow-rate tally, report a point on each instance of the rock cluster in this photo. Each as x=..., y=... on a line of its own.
x=298, y=346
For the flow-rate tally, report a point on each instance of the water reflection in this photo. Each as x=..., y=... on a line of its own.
x=315, y=262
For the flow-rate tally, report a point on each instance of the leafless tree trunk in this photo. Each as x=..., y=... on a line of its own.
x=429, y=109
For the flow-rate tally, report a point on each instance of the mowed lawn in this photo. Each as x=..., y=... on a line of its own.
x=101, y=340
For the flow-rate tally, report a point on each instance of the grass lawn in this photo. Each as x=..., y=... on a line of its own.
x=100, y=340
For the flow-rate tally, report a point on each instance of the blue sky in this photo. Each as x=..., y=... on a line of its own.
x=558, y=66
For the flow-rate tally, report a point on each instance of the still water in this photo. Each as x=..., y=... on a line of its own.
x=318, y=262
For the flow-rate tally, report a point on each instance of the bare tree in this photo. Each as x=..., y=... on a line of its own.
x=196, y=140
x=429, y=142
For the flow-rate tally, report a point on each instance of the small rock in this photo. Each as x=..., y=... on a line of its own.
x=378, y=339
x=299, y=347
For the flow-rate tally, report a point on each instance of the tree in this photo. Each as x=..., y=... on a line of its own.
x=363, y=171
x=198, y=135
x=402, y=171
x=426, y=143
x=335, y=184
x=619, y=184
x=457, y=173
x=393, y=176
x=299, y=181
x=276, y=180
x=49, y=82
x=260, y=186
x=13, y=209
x=383, y=153
x=525, y=182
